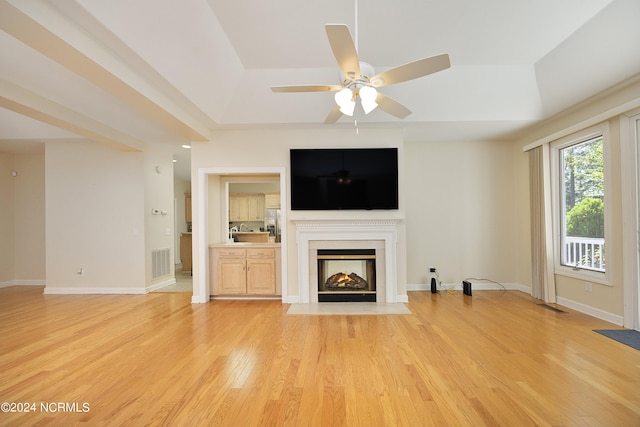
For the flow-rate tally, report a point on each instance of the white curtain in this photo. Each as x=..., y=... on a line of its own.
x=543, y=279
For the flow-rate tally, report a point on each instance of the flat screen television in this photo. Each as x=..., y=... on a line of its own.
x=345, y=178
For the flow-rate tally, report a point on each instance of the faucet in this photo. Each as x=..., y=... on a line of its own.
x=242, y=225
x=231, y=231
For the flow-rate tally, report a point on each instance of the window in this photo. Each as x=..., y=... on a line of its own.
x=578, y=166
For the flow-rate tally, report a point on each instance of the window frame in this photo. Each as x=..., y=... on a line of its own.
x=557, y=191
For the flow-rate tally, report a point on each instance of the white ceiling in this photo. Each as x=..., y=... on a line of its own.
x=140, y=72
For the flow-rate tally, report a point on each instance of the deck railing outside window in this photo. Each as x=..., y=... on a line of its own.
x=584, y=252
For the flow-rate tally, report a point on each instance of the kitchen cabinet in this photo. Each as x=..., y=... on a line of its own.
x=187, y=207
x=185, y=251
x=244, y=271
x=246, y=207
x=272, y=201
x=261, y=271
x=238, y=208
x=256, y=207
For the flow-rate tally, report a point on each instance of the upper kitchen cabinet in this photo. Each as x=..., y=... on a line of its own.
x=246, y=207
x=272, y=201
x=238, y=207
x=256, y=207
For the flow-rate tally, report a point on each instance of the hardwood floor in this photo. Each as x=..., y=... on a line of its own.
x=496, y=358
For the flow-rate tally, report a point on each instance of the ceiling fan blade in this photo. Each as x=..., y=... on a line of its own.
x=333, y=116
x=344, y=50
x=412, y=70
x=307, y=88
x=392, y=107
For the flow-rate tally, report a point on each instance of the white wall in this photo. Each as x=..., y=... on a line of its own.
x=460, y=215
x=95, y=220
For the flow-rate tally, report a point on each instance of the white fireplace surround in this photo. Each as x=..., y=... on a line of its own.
x=381, y=235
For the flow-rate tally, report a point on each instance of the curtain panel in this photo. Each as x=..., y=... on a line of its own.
x=542, y=265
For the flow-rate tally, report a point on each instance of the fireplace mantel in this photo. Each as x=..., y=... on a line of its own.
x=311, y=233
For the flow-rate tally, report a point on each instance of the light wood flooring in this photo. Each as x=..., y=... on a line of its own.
x=494, y=359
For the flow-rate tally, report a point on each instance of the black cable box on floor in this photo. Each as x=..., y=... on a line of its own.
x=466, y=287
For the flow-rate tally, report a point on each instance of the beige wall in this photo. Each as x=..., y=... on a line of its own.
x=270, y=148
x=157, y=193
x=7, y=210
x=95, y=219
x=29, y=222
x=605, y=299
x=22, y=218
x=461, y=218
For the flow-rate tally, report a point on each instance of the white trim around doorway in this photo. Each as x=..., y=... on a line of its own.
x=201, y=225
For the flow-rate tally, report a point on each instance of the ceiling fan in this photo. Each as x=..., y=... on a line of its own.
x=359, y=80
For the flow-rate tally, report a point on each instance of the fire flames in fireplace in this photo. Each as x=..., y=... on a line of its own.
x=343, y=281
x=346, y=275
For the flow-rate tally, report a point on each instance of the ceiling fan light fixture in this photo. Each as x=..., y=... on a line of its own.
x=368, y=97
x=348, y=108
x=344, y=99
x=344, y=96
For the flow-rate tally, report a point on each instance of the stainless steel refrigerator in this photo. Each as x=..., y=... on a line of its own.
x=272, y=223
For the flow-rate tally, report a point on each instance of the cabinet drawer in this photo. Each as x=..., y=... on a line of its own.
x=261, y=253
x=234, y=253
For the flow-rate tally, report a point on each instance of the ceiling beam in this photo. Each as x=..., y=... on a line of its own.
x=30, y=104
x=26, y=20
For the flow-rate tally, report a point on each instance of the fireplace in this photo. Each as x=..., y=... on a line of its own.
x=380, y=235
x=346, y=275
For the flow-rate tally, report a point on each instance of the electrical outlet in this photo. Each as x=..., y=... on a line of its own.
x=81, y=272
x=588, y=286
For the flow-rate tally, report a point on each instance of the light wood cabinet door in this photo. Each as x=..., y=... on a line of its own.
x=261, y=271
x=261, y=276
x=185, y=251
x=255, y=204
x=187, y=207
x=232, y=276
x=238, y=208
x=272, y=201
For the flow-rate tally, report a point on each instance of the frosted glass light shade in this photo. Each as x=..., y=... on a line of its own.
x=344, y=99
x=368, y=97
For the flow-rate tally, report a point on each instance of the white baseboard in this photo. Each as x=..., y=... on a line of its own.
x=475, y=285
x=591, y=311
x=161, y=285
x=22, y=283
x=402, y=298
x=94, y=291
x=245, y=298
x=200, y=299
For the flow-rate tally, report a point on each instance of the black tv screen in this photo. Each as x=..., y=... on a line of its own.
x=346, y=178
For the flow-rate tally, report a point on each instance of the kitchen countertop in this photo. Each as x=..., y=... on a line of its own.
x=242, y=244
x=249, y=232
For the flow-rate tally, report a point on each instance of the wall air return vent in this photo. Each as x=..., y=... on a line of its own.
x=160, y=262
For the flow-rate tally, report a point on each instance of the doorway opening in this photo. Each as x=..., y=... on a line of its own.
x=213, y=220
